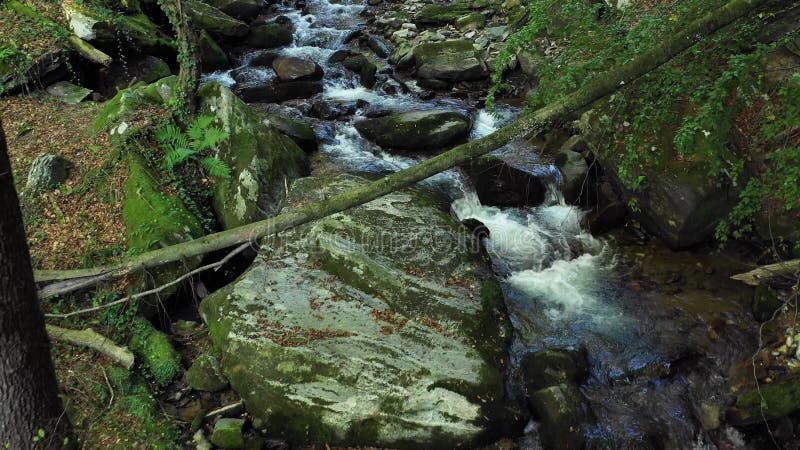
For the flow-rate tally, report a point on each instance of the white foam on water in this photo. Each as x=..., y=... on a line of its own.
x=222, y=77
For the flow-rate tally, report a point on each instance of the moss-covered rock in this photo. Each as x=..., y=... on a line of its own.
x=677, y=200
x=155, y=219
x=228, y=434
x=212, y=57
x=368, y=327
x=472, y=21
x=127, y=101
x=415, y=130
x=456, y=60
x=240, y=9
x=364, y=67
x=298, y=130
x=561, y=411
x=155, y=349
x=271, y=35
x=772, y=400
x=213, y=20
x=145, y=35
x=550, y=367
x=262, y=160
x=442, y=14
x=206, y=374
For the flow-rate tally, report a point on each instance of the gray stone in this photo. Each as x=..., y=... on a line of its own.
x=574, y=170
x=47, y=172
x=68, y=92
x=290, y=68
x=240, y=9
x=228, y=434
x=450, y=61
x=213, y=20
x=364, y=67
x=205, y=374
x=271, y=35
x=335, y=339
x=561, y=412
x=473, y=21
x=415, y=130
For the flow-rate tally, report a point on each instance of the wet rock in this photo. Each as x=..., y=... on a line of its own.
x=213, y=20
x=240, y=9
x=68, y=92
x=262, y=160
x=276, y=92
x=295, y=69
x=550, y=367
x=48, y=68
x=271, y=35
x=416, y=130
x=499, y=183
x=329, y=341
x=365, y=69
x=606, y=217
x=47, y=172
x=228, y=434
x=574, y=170
x=212, y=57
x=528, y=61
x=561, y=411
x=378, y=46
x=297, y=130
x=765, y=303
x=478, y=229
x=450, y=61
x=206, y=374
x=329, y=110
x=772, y=400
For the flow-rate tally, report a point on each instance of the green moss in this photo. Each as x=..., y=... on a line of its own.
x=774, y=401
x=442, y=14
x=158, y=355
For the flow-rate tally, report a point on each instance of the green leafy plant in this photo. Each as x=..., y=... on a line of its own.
x=200, y=137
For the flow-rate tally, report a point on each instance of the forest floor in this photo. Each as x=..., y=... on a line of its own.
x=80, y=223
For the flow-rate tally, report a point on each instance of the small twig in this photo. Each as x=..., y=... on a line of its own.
x=219, y=263
x=225, y=410
x=110, y=388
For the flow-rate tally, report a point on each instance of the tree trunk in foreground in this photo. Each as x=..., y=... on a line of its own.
x=541, y=121
x=28, y=389
x=785, y=271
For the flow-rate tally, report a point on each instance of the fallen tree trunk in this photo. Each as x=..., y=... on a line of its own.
x=89, y=51
x=94, y=340
x=540, y=121
x=786, y=270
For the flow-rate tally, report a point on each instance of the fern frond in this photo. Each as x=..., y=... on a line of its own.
x=177, y=155
x=168, y=135
x=215, y=167
x=213, y=137
x=198, y=127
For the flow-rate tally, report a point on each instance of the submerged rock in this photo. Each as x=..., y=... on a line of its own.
x=449, y=61
x=416, y=130
x=550, y=367
x=767, y=402
x=561, y=411
x=365, y=328
x=262, y=160
x=274, y=91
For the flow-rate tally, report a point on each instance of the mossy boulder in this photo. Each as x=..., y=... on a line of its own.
x=416, y=130
x=550, y=367
x=145, y=36
x=770, y=401
x=271, y=35
x=561, y=411
x=128, y=101
x=442, y=14
x=212, y=56
x=369, y=327
x=156, y=352
x=228, y=434
x=213, y=20
x=676, y=199
x=155, y=219
x=472, y=21
x=240, y=9
x=205, y=374
x=262, y=160
x=296, y=129
x=88, y=24
x=452, y=61
x=364, y=67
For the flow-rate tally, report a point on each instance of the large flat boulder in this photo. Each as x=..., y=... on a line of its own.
x=456, y=60
x=415, y=130
x=240, y=9
x=213, y=20
x=289, y=68
x=369, y=327
x=262, y=160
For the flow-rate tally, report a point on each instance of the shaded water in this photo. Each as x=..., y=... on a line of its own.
x=653, y=365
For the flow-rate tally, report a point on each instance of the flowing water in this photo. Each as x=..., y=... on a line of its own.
x=564, y=288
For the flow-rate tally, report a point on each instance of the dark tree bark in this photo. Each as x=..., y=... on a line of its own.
x=28, y=390
x=186, y=40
